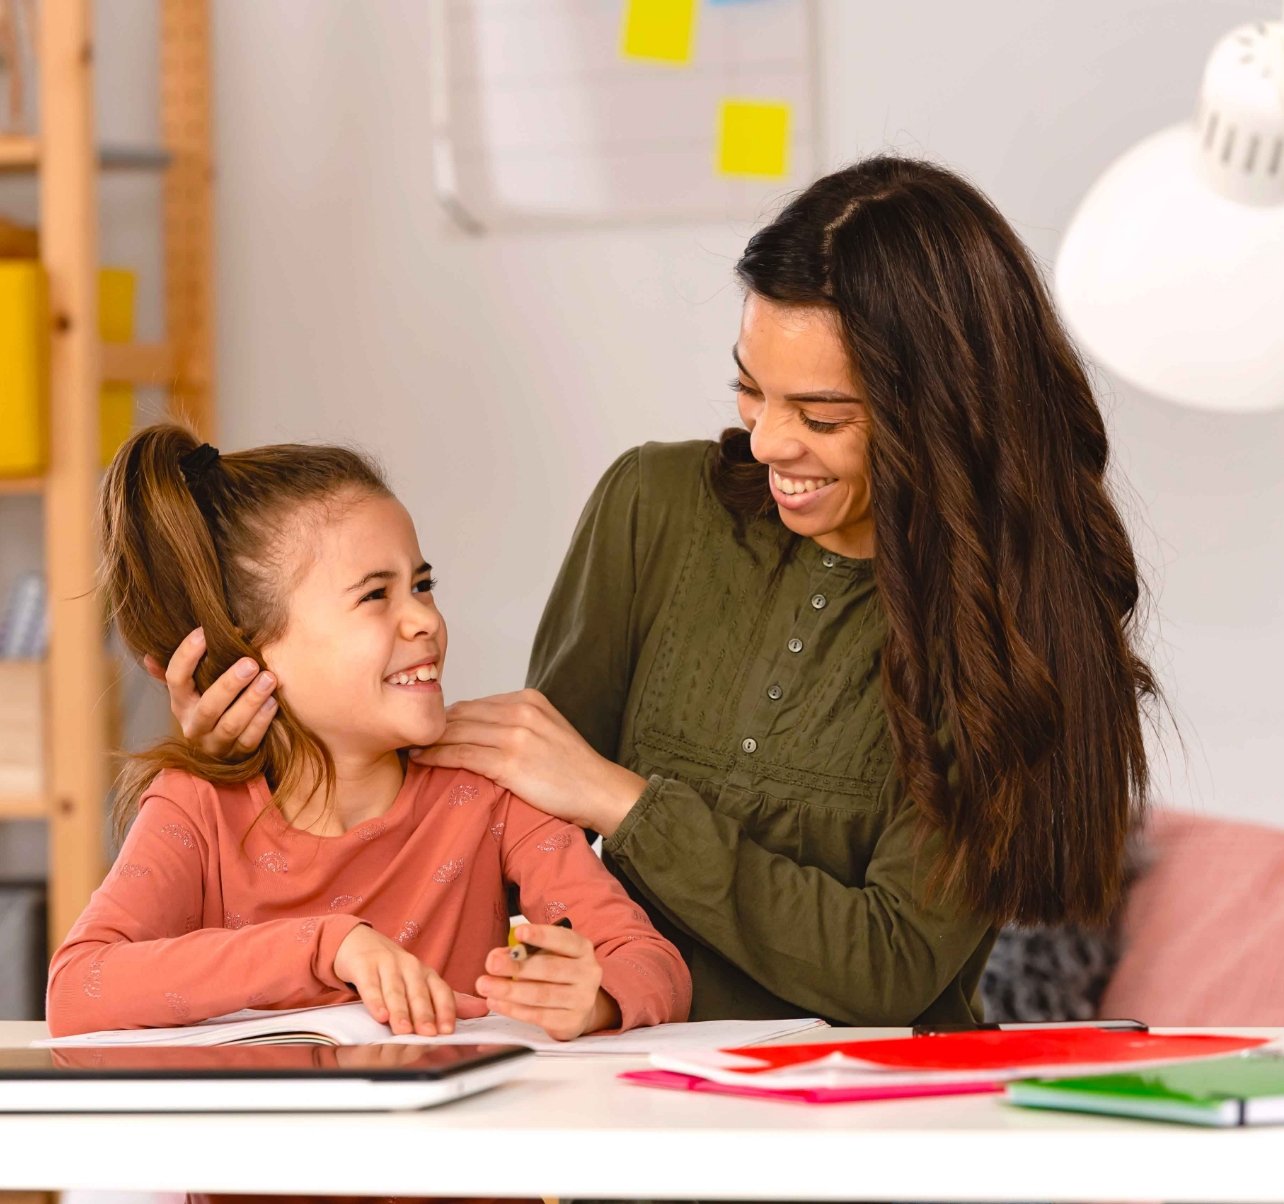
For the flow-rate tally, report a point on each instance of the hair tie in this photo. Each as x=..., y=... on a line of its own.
x=197, y=462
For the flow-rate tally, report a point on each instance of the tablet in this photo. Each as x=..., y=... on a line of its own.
x=254, y=1078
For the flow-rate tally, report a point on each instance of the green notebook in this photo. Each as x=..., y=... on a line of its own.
x=1246, y=1089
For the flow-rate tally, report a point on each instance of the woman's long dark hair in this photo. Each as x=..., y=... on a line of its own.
x=1010, y=676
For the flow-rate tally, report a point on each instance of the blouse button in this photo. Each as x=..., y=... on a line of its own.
x=774, y=692
x=795, y=645
x=818, y=601
x=749, y=744
x=829, y=560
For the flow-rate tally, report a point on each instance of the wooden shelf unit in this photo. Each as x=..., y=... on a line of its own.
x=77, y=729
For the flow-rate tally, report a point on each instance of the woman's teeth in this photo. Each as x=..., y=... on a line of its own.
x=423, y=673
x=796, y=485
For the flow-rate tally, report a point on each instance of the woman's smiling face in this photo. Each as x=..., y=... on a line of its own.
x=803, y=406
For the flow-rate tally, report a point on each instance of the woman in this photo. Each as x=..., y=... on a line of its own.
x=850, y=688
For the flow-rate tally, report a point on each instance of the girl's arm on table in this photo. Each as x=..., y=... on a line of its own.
x=139, y=958
x=559, y=875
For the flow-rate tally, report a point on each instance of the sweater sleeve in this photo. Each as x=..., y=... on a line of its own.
x=877, y=954
x=558, y=875
x=138, y=958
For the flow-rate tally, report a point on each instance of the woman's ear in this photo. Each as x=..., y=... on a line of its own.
x=154, y=668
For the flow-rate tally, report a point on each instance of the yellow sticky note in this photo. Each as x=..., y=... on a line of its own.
x=753, y=138
x=660, y=31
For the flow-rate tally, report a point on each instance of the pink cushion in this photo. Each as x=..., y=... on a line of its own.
x=1203, y=927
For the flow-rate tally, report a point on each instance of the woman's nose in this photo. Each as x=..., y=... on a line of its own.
x=769, y=438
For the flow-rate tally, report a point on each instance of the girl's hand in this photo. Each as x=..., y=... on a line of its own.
x=558, y=988
x=397, y=988
x=523, y=743
x=231, y=718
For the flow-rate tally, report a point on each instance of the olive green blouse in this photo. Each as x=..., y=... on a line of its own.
x=772, y=844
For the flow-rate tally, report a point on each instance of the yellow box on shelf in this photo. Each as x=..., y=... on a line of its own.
x=24, y=352
x=116, y=288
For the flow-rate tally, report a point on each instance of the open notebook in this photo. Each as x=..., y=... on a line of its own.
x=351, y=1024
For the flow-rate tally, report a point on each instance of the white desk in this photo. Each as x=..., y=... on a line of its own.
x=567, y=1128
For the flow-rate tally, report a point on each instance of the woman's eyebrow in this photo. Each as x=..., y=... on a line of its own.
x=833, y=396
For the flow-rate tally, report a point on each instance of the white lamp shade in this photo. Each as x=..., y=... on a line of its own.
x=1177, y=289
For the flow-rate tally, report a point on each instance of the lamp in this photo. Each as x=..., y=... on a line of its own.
x=1171, y=272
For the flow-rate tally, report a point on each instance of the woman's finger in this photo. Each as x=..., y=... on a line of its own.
x=180, y=674
x=483, y=761
x=252, y=735
x=212, y=706
x=233, y=727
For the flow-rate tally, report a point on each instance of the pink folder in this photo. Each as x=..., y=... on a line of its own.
x=814, y=1095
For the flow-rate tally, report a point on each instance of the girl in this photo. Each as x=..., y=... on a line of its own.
x=325, y=868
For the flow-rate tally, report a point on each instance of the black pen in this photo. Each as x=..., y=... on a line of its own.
x=1024, y=1026
x=521, y=950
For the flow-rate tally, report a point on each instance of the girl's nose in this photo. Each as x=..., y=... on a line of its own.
x=420, y=616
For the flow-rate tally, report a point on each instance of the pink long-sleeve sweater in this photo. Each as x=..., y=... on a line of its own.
x=215, y=903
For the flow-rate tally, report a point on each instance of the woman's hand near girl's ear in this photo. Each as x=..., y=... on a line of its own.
x=231, y=718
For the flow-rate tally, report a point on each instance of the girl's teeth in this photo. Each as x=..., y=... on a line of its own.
x=423, y=673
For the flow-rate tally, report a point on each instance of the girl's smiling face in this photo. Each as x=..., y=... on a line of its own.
x=361, y=657
x=808, y=423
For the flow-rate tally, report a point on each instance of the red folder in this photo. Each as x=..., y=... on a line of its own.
x=939, y=1064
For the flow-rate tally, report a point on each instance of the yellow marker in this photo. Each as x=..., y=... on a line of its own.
x=660, y=31
x=753, y=138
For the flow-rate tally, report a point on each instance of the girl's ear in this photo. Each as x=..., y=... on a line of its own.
x=154, y=668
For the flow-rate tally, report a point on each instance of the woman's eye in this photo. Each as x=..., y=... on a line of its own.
x=426, y=586
x=375, y=595
x=739, y=386
x=821, y=428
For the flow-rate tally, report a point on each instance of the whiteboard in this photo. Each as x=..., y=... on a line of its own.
x=538, y=118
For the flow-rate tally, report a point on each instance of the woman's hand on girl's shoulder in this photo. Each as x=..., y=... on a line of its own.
x=522, y=742
x=397, y=988
x=231, y=718
x=558, y=988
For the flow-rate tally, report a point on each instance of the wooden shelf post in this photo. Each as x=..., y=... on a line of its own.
x=76, y=718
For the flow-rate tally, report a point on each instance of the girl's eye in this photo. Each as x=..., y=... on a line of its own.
x=739, y=386
x=426, y=586
x=375, y=595
x=821, y=428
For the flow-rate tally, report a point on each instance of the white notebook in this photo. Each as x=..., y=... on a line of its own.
x=351, y=1024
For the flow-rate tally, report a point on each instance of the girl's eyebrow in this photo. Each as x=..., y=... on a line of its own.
x=386, y=575
x=835, y=396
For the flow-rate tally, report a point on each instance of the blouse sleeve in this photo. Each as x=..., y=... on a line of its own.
x=873, y=955
x=559, y=875
x=138, y=958
x=582, y=658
